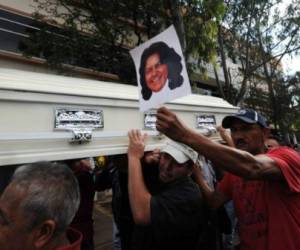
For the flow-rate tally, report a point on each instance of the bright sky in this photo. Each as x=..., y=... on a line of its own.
x=290, y=65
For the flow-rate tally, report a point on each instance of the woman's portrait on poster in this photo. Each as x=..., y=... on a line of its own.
x=159, y=65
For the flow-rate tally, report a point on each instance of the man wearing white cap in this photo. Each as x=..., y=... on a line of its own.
x=173, y=216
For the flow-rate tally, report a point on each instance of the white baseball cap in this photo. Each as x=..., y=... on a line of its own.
x=180, y=152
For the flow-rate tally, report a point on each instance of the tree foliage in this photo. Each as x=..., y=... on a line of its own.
x=287, y=105
x=252, y=41
x=97, y=34
x=287, y=93
x=256, y=34
x=250, y=36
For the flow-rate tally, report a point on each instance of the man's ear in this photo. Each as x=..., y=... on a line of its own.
x=44, y=233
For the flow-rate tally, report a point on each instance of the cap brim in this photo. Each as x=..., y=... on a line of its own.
x=179, y=156
x=228, y=120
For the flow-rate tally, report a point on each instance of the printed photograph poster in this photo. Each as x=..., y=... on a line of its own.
x=161, y=70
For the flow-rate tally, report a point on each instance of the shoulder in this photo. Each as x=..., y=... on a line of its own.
x=176, y=205
x=185, y=186
x=284, y=154
x=281, y=149
x=180, y=191
x=288, y=161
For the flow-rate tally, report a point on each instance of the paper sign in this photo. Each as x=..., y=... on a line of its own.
x=161, y=70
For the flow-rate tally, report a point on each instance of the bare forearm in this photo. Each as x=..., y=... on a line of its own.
x=205, y=189
x=233, y=160
x=230, y=159
x=212, y=197
x=139, y=196
x=227, y=138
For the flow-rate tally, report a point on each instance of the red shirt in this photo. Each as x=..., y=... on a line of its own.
x=268, y=211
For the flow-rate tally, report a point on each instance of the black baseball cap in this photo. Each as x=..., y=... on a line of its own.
x=246, y=115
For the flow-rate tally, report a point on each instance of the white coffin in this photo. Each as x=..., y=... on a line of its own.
x=31, y=106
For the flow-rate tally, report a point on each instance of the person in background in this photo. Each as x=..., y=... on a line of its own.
x=231, y=239
x=83, y=220
x=273, y=142
x=114, y=176
x=296, y=147
x=218, y=221
x=264, y=185
x=37, y=207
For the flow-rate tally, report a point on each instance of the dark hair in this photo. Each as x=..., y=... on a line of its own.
x=52, y=192
x=167, y=56
x=277, y=138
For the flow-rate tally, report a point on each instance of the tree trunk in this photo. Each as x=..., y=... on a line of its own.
x=228, y=95
x=177, y=18
x=219, y=84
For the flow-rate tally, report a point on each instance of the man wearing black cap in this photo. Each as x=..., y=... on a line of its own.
x=264, y=185
x=172, y=217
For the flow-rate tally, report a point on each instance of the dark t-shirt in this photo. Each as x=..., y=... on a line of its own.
x=176, y=218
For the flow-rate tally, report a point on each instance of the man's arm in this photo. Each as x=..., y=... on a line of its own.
x=214, y=198
x=139, y=196
x=225, y=136
x=236, y=161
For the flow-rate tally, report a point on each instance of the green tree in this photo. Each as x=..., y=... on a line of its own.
x=98, y=34
x=287, y=95
x=255, y=35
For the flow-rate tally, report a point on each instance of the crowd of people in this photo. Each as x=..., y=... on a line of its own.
x=194, y=193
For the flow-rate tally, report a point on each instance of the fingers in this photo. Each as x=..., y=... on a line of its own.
x=161, y=126
x=136, y=144
x=163, y=112
x=135, y=136
x=220, y=129
x=165, y=118
x=144, y=137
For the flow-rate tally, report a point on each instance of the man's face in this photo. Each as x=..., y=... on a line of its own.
x=156, y=74
x=248, y=137
x=14, y=235
x=170, y=170
x=152, y=157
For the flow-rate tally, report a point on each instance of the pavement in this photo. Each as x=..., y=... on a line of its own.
x=103, y=224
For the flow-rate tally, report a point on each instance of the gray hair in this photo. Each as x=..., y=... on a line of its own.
x=52, y=192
